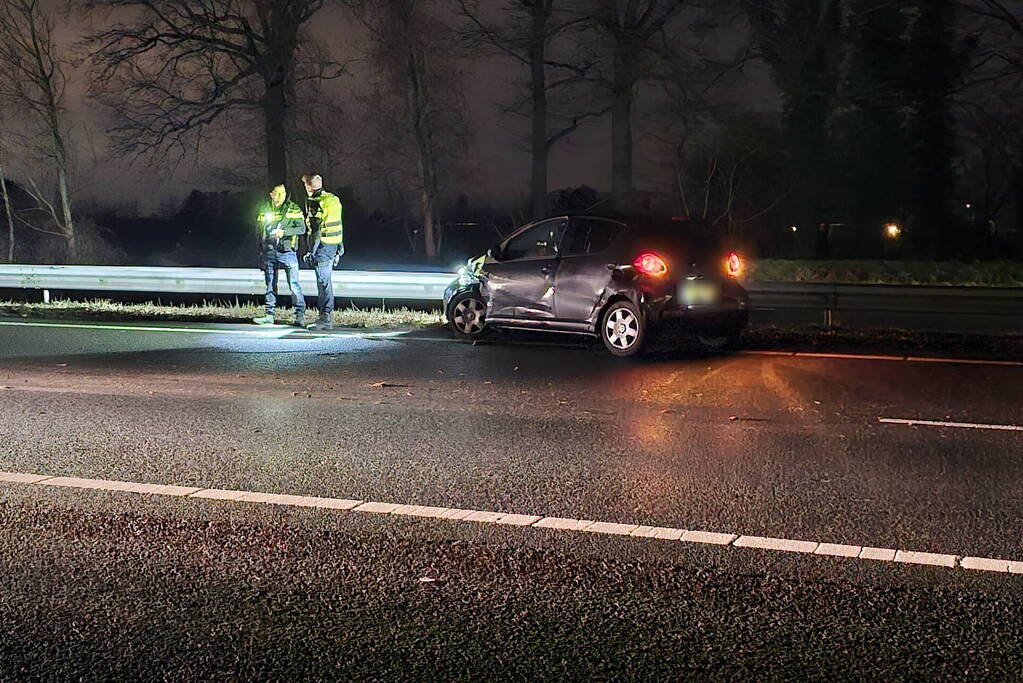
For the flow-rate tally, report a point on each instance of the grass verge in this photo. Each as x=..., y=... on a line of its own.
x=103, y=310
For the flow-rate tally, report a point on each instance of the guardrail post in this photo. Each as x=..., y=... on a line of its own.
x=831, y=303
x=46, y=296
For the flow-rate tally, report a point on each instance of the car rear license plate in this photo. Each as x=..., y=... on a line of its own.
x=699, y=292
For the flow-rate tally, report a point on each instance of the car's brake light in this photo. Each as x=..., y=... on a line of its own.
x=649, y=263
x=734, y=265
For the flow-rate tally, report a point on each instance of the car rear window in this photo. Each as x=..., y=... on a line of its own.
x=683, y=231
x=688, y=240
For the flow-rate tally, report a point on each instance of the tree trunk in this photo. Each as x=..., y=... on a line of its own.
x=7, y=210
x=65, y=206
x=537, y=50
x=41, y=51
x=1019, y=211
x=275, y=123
x=621, y=125
x=933, y=71
x=419, y=106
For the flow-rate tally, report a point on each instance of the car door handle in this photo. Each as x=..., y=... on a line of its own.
x=545, y=269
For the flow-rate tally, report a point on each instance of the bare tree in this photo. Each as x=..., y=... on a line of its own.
x=803, y=44
x=412, y=45
x=990, y=103
x=1002, y=20
x=690, y=111
x=529, y=34
x=184, y=66
x=631, y=27
x=35, y=80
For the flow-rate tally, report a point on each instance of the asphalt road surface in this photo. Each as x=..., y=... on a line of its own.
x=104, y=584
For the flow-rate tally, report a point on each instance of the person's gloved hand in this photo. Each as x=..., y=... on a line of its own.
x=308, y=259
x=337, y=259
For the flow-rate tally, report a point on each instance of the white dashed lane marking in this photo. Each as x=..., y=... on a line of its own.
x=786, y=545
x=955, y=425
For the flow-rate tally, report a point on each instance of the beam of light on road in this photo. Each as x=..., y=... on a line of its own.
x=276, y=331
x=957, y=425
x=146, y=328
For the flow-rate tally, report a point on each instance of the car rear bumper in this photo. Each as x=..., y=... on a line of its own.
x=729, y=314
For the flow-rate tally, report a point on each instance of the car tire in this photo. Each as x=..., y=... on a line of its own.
x=467, y=315
x=622, y=329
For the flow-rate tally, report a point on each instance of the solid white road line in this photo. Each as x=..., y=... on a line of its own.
x=864, y=356
x=552, y=523
x=956, y=425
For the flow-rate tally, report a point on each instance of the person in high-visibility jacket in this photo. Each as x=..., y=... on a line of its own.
x=281, y=224
x=323, y=214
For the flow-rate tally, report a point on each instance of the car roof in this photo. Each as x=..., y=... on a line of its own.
x=635, y=219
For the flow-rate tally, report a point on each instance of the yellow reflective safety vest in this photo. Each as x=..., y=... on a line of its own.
x=287, y=217
x=328, y=218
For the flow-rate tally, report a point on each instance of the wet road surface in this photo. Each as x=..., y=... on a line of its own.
x=743, y=444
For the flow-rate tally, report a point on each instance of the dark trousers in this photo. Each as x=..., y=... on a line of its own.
x=323, y=262
x=275, y=261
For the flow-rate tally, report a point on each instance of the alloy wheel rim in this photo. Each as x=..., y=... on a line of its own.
x=622, y=329
x=468, y=316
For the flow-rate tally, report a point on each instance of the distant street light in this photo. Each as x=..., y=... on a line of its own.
x=892, y=231
x=795, y=229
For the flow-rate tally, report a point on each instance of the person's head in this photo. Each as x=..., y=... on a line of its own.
x=313, y=183
x=278, y=194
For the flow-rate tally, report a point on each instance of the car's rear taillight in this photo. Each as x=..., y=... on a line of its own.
x=649, y=263
x=734, y=265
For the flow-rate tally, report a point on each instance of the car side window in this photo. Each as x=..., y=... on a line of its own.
x=602, y=234
x=540, y=241
x=590, y=236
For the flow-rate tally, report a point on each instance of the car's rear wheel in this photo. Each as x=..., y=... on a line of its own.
x=467, y=315
x=622, y=329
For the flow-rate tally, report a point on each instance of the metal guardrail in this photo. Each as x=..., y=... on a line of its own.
x=948, y=308
x=924, y=299
x=347, y=283
x=824, y=298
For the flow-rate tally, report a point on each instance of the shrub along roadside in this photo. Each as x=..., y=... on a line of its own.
x=980, y=274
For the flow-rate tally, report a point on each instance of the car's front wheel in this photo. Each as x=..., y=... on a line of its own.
x=622, y=329
x=467, y=315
